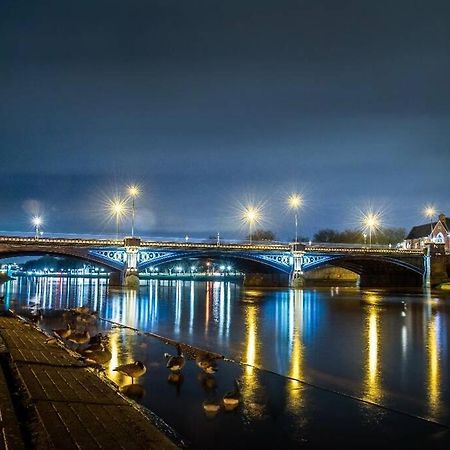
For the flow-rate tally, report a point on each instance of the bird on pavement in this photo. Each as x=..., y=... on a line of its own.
x=80, y=338
x=63, y=333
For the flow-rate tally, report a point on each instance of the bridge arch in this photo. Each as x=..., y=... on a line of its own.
x=373, y=269
x=64, y=252
x=252, y=261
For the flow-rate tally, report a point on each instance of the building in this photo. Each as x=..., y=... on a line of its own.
x=436, y=232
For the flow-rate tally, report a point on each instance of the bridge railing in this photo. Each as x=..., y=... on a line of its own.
x=228, y=244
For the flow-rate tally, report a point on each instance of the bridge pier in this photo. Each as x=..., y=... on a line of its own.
x=296, y=277
x=131, y=273
x=435, y=265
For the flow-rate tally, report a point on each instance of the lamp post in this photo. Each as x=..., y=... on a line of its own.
x=37, y=222
x=295, y=201
x=429, y=212
x=133, y=192
x=118, y=210
x=372, y=223
x=251, y=215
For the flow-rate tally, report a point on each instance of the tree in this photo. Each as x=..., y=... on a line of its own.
x=262, y=235
x=355, y=236
x=326, y=235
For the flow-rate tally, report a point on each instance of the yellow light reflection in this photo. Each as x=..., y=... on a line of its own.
x=209, y=292
x=250, y=388
x=114, y=346
x=372, y=388
x=294, y=388
x=434, y=370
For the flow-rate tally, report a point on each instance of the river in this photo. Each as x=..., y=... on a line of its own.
x=321, y=366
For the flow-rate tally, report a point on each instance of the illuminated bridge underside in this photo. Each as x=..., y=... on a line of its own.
x=358, y=263
x=250, y=258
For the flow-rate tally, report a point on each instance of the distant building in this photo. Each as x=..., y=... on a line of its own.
x=436, y=232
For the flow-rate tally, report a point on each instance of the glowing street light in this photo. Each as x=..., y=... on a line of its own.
x=37, y=222
x=118, y=209
x=133, y=192
x=251, y=215
x=295, y=201
x=371, y=223
x=430, y=212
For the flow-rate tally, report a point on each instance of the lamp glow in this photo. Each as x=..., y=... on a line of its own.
x=371, y=222
x=117, y=208
x=37, y=222
x=295, y=201
x=251, y=215
x=430, y=212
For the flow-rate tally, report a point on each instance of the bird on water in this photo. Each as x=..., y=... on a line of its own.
x=175, y=363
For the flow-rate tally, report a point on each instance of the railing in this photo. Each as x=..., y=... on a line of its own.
x=208, y=244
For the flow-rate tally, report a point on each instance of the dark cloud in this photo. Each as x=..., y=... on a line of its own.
x=206, y=102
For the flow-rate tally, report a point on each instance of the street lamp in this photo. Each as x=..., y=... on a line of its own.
x=372, y=222
x=429, y=212
x=251, y=215
x=133, y=192
x=37, y=222
x=295, y=201
x=118, y=209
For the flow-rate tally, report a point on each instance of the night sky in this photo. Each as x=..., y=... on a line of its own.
x=208, y=104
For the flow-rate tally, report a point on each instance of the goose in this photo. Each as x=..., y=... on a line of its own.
x=175, y=363
x=63, y=333
x=81, y=310
x=133, y=370
x=100, y=354
x=80, y=338
x=231, y=399
x=207, y=363
x=87, y=318
x=99, y=338
x=211, y=407
x=38, y=316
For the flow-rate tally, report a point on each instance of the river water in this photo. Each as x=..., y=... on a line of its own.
x=322, y=366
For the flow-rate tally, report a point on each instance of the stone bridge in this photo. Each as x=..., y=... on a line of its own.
x=264, y=263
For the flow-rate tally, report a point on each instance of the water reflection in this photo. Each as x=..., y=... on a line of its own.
x=365, y=344
x=433, y=347
x=372, y=389
x=294, y=389
x=250, y=387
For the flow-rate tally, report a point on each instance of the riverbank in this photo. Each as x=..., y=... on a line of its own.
x=50, y=399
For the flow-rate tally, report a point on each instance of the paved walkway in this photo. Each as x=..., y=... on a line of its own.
x=68, y=405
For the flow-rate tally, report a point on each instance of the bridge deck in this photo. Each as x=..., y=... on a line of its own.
x=71, y=406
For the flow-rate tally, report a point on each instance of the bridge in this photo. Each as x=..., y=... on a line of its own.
x=264, y=263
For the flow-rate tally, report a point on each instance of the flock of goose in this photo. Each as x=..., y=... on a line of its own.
x=95, y=351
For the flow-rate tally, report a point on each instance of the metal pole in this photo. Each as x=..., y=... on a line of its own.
x=296, y=226
x=117, y=226
x=370, y=237
x=132, y=220
x=250, y=231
